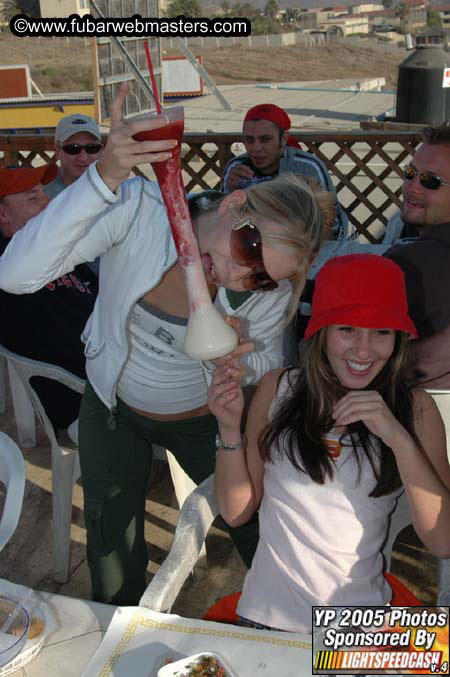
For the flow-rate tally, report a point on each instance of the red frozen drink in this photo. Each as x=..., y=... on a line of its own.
x=207, y=335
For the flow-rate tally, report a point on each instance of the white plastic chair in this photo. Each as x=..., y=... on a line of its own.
x=65, y=463
x=12, y=475
x=196, y=516
x=23, y=408
x=201, y=508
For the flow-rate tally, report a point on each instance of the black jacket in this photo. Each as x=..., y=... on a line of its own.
x=47, y=326
x=426, y=264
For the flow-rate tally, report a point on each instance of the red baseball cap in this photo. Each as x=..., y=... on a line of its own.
x=19, y=180
x=361, y=290
x=270, y=112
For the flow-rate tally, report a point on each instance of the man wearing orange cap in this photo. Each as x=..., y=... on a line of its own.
x=47, y=324
x=270, y=150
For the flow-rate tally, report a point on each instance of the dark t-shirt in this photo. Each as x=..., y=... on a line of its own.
x=47, y=326
x=426, y=264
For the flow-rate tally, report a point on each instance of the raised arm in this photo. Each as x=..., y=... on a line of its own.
x=425, y=472
x=88, y=217
x=239, y=474
x=235, y=172
x=426, y=477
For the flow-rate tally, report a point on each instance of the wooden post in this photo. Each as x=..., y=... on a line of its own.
x=95, y=80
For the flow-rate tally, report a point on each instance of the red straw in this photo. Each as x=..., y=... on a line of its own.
x=152, y=77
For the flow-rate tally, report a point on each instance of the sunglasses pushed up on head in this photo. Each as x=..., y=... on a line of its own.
x=246, y=250
x=426, y=179
x=76, y=148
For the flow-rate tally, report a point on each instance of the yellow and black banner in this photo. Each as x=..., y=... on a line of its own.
x=381, y=640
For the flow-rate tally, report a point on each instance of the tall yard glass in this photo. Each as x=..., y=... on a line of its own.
x=207, y=335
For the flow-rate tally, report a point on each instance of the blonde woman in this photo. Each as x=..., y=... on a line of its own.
x=142, y=389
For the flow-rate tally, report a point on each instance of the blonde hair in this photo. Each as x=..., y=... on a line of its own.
x=304, y=210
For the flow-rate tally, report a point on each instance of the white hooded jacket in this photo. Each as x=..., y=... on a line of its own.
x=130, y=232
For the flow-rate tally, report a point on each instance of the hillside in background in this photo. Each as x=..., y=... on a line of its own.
x=64, y=65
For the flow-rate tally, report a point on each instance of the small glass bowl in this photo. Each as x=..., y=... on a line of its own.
x=14, y=626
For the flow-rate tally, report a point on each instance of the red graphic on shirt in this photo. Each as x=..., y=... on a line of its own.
x=334, y=448
x=69, y=281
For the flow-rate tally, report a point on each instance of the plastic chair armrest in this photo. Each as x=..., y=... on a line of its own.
x=196, y=517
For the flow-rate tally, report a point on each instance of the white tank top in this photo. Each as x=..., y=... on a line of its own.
x=319, y=543
x=158, y=376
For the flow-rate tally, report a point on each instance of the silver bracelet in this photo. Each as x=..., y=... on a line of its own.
x=221, y=446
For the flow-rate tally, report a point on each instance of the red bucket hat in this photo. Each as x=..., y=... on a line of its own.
x=19, y=180
x=361, y=290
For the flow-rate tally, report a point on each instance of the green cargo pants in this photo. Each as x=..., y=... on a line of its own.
x=115, y=472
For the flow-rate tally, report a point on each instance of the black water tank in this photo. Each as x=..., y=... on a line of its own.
x=421, y=98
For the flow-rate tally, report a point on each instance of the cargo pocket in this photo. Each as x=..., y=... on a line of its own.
x=94, y=517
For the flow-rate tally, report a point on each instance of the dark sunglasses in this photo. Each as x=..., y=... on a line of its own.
x=246, y=250
x=427, y=180
x=76, y=148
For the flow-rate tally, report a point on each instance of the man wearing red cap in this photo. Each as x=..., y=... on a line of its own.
x=270, y=150
x=47, y=324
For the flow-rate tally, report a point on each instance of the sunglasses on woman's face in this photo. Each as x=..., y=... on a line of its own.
x=246, y=250
x=76, y=148
x=427, y=180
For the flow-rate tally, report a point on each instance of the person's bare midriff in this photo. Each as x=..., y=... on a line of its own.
x=182, y=415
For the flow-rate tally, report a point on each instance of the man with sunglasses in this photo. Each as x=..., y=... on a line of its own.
x=426, y=260
x=270, y=151
x=46, y=324
x=78, y=143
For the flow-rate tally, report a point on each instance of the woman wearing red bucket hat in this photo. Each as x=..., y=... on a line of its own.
x=329, y=448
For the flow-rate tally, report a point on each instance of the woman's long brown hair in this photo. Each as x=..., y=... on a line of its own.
x=304, y=416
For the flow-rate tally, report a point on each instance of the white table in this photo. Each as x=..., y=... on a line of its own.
x=135, y=639
x=139, y=640
x=79, y=626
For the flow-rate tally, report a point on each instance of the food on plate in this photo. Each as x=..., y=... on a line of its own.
x=37, y=626
x=37, y=623
x=203, y=666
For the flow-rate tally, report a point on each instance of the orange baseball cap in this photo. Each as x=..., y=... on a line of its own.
x=19, y=180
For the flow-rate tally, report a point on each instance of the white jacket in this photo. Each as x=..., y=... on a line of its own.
x=131, y=233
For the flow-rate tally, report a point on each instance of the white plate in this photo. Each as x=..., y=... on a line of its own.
x=181, y=668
